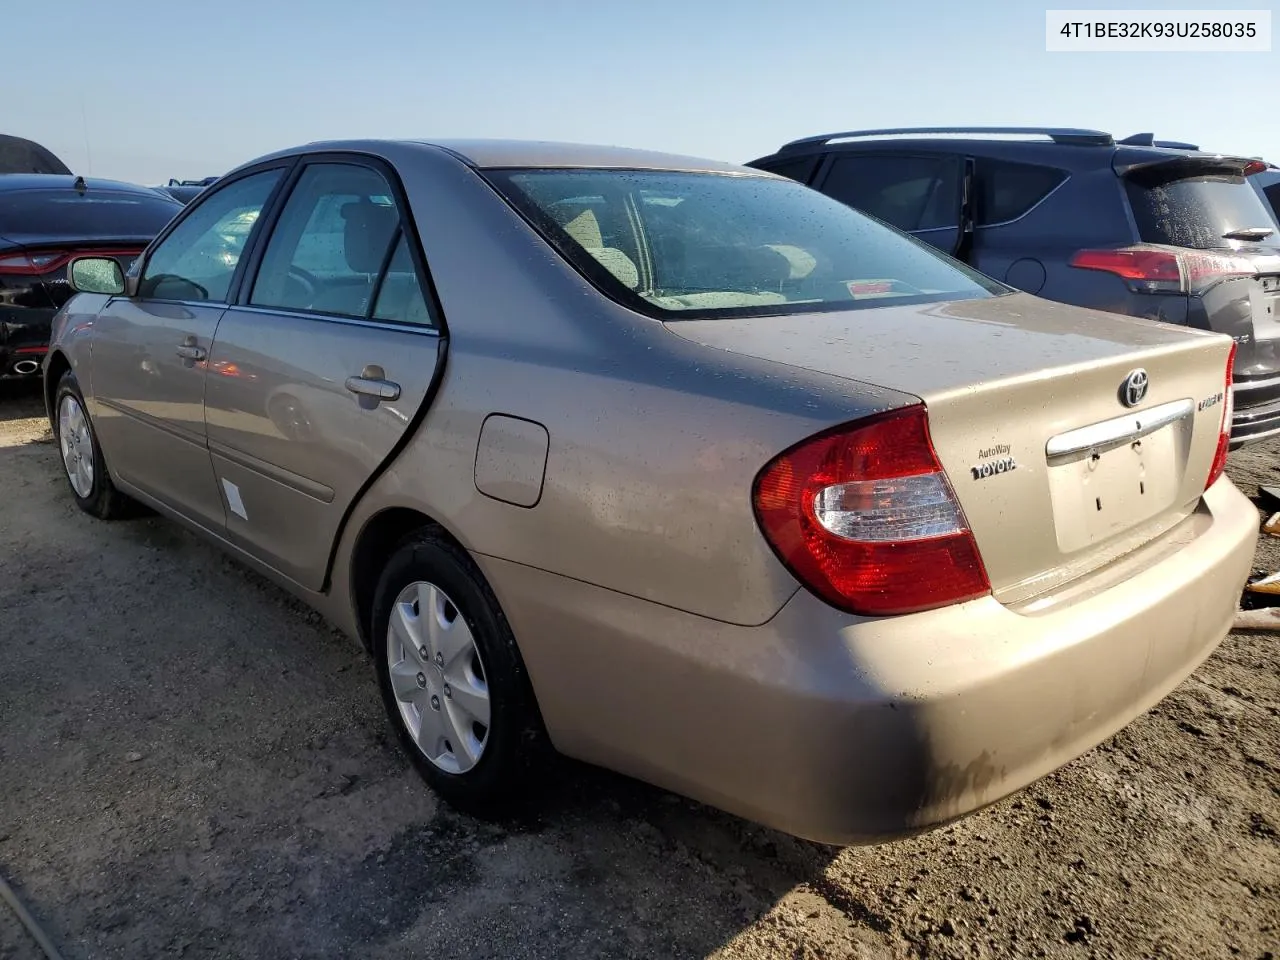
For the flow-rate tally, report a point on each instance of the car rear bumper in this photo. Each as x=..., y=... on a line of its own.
x=847, y=731
x=1257, y=411
x=24, y=341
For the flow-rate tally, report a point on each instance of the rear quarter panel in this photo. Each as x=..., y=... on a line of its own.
x=654, y=442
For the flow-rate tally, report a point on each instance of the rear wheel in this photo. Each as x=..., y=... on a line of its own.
x=452, y=679
x=82, y=461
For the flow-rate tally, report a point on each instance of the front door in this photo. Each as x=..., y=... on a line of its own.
x=316, y=374
x=150, y=352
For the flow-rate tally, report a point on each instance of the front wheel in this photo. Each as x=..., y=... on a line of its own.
x=452, y=679
x=82, y=461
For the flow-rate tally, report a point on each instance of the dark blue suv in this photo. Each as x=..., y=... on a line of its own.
x=1138, y=226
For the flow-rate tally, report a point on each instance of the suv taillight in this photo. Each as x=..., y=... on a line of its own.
x=1224, y=430
x=865, y=518
x=1149, y=269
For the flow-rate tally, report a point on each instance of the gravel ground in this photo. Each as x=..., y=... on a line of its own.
x=192, y=764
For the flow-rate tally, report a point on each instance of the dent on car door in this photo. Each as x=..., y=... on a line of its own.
x=317, y=373
x=149, y=352
x=923, y=195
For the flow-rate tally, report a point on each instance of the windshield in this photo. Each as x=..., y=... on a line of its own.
x=1198, y=212
x=699, y=245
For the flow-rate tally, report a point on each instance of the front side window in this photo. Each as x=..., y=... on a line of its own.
x=331, y=242
x=198, y=259
x=912, y=193
x=682, y=245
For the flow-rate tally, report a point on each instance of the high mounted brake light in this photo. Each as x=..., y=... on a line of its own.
x=865, y=517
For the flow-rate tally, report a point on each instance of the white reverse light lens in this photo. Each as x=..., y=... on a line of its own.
x=904, y=508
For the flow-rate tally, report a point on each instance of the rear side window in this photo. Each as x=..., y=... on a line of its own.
x=400, y=296
x=95, y=213
x=912, y=193
x=799, y=170
x=331, y=242
x=338, y=248
x=1273, y=196
x=1008, y=190
x=1195, y=211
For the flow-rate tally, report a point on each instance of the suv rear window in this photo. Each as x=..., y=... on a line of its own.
x=96, y=213
x=684, y=245
x=1195, y=211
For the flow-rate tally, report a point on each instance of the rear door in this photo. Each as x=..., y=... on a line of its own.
x=149, y=351
x=922, y=194
x=316, y=374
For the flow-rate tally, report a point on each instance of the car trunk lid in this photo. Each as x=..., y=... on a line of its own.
x=1056, y=474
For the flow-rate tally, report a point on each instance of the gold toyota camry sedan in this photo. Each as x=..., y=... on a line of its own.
x=672, y=466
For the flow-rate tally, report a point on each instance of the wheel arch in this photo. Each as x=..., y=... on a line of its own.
x=56, y=366
x=378, y=539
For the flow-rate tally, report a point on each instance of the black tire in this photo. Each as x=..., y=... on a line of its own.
x=104, y=501
x=505, y=777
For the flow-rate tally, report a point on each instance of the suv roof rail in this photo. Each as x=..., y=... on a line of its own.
x=1149, y=140
x=1064, y=135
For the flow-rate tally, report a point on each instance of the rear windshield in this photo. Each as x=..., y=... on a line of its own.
x=1197, y=211
x=698, y=245
x=96, y=213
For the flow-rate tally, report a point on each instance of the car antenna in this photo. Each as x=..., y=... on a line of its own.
x=80, y=185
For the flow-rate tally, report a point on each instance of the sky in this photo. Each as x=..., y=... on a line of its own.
x=145, y=90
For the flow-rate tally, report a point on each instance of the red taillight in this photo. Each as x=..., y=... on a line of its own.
x=1224, y=430
x=865, y=518
x=35, y=262
x=1162, y=270
x=1254, y=166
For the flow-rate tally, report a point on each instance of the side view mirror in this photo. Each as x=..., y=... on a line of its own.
x=95, y=275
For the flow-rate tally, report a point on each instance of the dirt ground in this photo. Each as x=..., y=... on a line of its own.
x=193, y=765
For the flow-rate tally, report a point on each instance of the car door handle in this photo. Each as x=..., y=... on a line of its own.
x=374, y=387
x=191, y=351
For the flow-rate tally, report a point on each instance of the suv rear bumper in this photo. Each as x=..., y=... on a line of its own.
x=1257, y=411
x=843, y=730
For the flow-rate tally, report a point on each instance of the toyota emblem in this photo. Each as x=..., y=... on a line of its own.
x=1134, y=388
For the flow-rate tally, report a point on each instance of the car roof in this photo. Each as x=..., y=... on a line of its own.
x=1068, y=146
x=494, y=154
x=56, y=181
